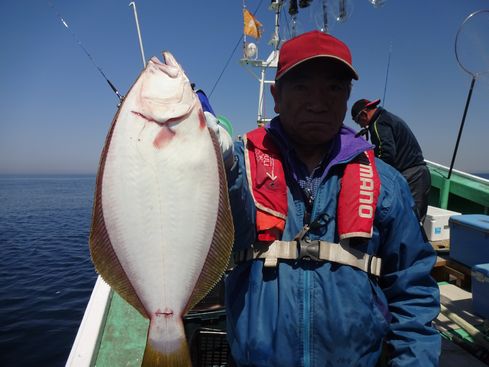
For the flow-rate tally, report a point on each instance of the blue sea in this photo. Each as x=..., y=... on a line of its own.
x=46, y=275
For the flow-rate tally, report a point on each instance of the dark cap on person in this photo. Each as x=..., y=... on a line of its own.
x=362, y=104
x=312, y=45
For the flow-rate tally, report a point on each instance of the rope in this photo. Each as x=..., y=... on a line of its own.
x=231, y=56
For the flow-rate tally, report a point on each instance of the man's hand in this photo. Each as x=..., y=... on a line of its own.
x=225, y=140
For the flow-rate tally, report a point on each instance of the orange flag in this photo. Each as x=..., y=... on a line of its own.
x=252, y=27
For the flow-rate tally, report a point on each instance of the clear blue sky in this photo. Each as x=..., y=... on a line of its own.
x=56, y=108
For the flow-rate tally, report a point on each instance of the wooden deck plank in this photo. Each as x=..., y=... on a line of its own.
x=454, y=356
x=458, y=301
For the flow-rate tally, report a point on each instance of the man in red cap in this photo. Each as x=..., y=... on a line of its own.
x=396, y=145
x=330, y=265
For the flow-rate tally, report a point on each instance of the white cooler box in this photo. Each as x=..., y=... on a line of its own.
x=436, y=223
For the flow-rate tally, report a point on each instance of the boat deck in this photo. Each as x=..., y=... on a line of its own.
x=114, y=333
x=456, y=341
x=123, y=335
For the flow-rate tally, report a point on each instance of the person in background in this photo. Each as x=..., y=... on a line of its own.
x=204, y=101
x=396, y=145
x=330, y=267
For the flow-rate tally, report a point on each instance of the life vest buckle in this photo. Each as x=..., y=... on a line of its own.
x=308, y=250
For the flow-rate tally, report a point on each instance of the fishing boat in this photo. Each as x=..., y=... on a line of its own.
x=113, y=333
x=462, y=192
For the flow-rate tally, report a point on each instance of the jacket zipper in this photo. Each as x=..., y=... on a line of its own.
x=307, y=282
x=307, y=321
x=310, y=213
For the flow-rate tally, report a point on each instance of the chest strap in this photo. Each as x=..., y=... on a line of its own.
x=314, y=250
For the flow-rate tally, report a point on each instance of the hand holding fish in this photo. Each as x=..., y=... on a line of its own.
x=225, y=140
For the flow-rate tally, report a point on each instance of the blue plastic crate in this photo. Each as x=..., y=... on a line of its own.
x=469, y=239
x=480, y=290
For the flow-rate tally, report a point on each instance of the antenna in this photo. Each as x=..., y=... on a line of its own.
x=133, y=3
x=276, y=6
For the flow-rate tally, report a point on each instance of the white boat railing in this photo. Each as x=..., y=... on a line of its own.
x=90, y=330
x=460, y=173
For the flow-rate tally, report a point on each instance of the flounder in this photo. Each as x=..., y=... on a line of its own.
x=162, y=229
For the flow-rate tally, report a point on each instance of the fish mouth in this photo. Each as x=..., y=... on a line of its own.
x=170, y=67
x=166, y=95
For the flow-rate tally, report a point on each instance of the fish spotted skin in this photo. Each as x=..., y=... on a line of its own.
x=162, y=229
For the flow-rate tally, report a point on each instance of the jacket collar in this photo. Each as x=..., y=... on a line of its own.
x=343, y=148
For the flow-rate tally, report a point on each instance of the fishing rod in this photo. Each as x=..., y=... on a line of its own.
x=133, y=4
x=387, y=74
x=114, y=89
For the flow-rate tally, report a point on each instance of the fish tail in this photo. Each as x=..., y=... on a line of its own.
x=155, y=357
x=166, y=345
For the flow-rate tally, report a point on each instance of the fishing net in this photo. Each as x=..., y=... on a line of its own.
x=472, y=44
x=472, y=53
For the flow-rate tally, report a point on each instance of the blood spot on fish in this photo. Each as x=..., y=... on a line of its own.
x=164, y=137
x=203, y=123
x=166, y=313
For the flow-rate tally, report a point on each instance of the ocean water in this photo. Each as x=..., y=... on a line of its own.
x=483, y=175
x=46, y=275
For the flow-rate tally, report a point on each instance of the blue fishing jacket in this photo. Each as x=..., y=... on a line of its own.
x=308, y=313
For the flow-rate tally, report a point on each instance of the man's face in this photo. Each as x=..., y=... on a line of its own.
x=312, y=101
x=362, y=118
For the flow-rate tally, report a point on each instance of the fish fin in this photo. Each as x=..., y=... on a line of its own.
x=154, y=358
x=173, y=353
x=103, y=256
x=219, y=253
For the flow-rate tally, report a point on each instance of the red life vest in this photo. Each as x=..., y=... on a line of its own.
x=360, y=188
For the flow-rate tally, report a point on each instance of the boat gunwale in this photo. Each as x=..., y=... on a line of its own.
x=84, y=347
x=469, y=176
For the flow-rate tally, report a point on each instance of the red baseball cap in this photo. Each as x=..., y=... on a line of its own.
x=310, y=45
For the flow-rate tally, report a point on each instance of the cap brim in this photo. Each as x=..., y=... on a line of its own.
x=372, y=104
x=353, y=72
